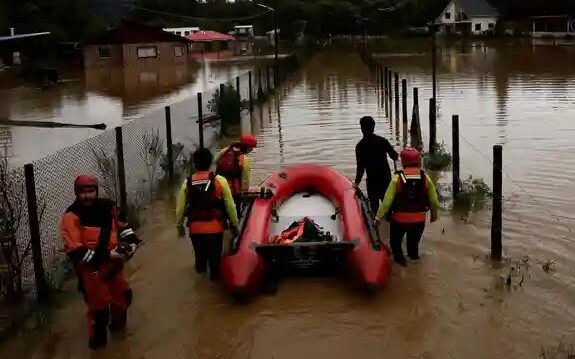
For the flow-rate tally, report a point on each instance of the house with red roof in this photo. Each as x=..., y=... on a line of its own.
x=209, y=41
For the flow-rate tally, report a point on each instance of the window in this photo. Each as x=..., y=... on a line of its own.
x=477, y=27
x=104, y=52
x=147, y=52
x=491, y=26
x=447, y=15
x=178, y=51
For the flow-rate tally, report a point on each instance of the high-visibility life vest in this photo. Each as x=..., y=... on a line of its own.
x=411, y=200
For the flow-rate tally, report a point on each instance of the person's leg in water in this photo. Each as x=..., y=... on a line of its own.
x=396, y=233
x=238, y=203
x=376, y=189
x=414, y=234
x=200, y=251
x=214, y=243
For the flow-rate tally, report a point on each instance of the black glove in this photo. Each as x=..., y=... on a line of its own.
x=87, y=256
x=128, y=242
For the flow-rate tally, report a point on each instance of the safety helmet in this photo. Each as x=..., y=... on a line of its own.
x=85, y=181
x=410, y=157
x=249, y=140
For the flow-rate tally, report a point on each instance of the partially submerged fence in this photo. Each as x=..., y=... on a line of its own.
x=131, y=161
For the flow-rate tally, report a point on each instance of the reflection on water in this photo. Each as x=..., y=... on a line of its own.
x=111, y=96
x=454, y=303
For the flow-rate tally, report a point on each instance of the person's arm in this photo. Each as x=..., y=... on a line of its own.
x=433, y=199
x=360, y=165
x=181, y=204
x=385, y=206
x=228, y=201
x=246, y=169
x=390, y=150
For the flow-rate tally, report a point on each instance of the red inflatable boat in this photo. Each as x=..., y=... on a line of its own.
x=331, y=201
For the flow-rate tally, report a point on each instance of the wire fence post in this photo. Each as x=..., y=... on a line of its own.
x=496, y=220
x=170, y=149
x=121, y=170
x=390, y=93
x=383, y=85
x=251, y=89
x=260, y=90
x=455, y=150
x=201, y=119
x=432, y=126
x=403, y=104
x=238, y=87
x=34, y=223
x=396, y=80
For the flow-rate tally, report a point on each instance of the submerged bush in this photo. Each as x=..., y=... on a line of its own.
x=439, y=160
x=473, y=195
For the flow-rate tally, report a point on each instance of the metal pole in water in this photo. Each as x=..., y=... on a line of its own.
x=201, y=120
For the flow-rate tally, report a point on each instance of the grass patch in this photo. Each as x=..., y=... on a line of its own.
x=439, y=160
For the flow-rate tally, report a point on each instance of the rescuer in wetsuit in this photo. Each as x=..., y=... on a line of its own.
x=206, y=201
x=371, y=155
x=409, y=196
x=98, y=243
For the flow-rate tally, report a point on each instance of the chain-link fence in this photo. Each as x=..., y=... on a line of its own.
x=130, y=161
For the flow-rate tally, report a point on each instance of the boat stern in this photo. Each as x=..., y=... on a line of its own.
x=242, y=272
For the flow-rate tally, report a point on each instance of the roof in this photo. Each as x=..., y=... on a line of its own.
x=209, y=35
x=477, y=8
x=243, y=26
x=129, y=32
x=23, y=36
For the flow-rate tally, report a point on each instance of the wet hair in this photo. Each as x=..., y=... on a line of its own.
x=367, y=124
x=203, y=159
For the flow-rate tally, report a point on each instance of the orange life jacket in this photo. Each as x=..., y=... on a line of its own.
x=290, y=235
x=205, y=205
x=230, y=165
x=411, y=200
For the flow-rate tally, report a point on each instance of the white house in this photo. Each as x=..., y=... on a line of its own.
x=182, y=31
x=468, y=16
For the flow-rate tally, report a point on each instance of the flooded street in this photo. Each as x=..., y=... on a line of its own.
x=454, y=303
x=110, y=96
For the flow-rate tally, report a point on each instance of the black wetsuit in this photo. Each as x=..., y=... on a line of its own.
x=371, y=155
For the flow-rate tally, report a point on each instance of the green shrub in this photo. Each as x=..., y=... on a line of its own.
x=438, y=161
x=228, y=107
x=473, y=195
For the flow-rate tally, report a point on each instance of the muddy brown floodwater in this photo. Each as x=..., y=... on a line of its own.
x=454, y=303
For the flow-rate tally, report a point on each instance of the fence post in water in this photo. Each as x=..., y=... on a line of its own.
x=390, y=93
x=455, y=150
x=250, y=88
x=170, y=149
x=121, y=170
x=260, y=90
x=238, y=87
x=415, y=130
x=383, y=85
x=404, y=105
x=496, y=220
x=434, y=64
x=34, y=223
x=432, y=126
x=201, y=120
x=397, y=95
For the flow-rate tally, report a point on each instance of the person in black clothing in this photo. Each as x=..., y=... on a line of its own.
x=371, y=156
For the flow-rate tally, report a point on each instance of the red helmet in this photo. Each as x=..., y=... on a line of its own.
x=249, y=140
x=85, y=181
x=410, y=157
